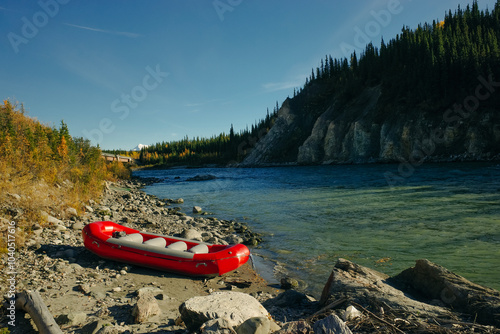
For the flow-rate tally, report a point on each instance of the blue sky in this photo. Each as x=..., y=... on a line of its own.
x=124, y=72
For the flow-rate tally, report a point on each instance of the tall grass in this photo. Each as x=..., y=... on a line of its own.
x=44, y=169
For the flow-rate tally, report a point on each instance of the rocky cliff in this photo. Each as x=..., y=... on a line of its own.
x=366, y=129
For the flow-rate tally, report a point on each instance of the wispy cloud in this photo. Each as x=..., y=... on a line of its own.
x=205, y=103
x=9, y=10
x=111, y=32
x=190, y=105
x=276, y=86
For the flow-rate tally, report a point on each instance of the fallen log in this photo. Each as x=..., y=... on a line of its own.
x=430, y=281
x=32, y=303
x=424, y=292
x=369, y=287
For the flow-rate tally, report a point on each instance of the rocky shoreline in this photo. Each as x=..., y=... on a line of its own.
x=86, y=294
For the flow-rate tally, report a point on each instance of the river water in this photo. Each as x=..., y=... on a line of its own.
x=310, y=216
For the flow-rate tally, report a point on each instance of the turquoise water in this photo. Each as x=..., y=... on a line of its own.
x=447, y=213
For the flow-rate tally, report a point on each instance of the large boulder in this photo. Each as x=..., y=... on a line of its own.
x=235, y=307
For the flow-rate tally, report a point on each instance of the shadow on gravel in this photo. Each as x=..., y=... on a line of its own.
x=86, y=259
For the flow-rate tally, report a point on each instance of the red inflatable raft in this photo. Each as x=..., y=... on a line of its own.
x=188, y=257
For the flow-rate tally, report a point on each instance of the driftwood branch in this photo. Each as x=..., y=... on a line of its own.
x=378, y=318
x=328, y=307
x=32, y=303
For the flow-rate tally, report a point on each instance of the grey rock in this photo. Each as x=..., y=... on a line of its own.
x=331, y=325
x=197, y=209
x=289, y=298
x=93, y=327
x=234, y=239
x=177, y=201
x=97, y=295
x=62, y=268
x=295, y=327
x=288, y=283
x=146, y=307
x=257, y=325
x=84, y=288
x=235, y=307
x=72, y=318
x=192, y=234
x=71, y=212
x=77, y=226
x=116, y=329
x=217, y=326
x=53, y=220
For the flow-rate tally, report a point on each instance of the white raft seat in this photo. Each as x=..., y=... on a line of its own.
x=157, y=242
x=134, y=237
x=179, y=246
x=199, y=249
x=158, y=245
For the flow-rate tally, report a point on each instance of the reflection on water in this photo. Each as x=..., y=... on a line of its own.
x=449, y=214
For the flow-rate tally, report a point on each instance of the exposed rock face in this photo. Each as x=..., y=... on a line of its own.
x=360, y=132
x=277, y=139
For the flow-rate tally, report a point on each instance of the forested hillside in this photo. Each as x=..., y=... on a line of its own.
x=434, y=75
x=432, y=91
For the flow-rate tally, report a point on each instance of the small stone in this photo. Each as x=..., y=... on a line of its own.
x=77, y=226
x=192, y=234
x=256, y=325
x=117, y=289
x=71, y=319
x=146, y=307
x=54, y=220
x=71, y=212
x=197, y=209
x=331, y=324
x=288, y=283
x=93, y=327
x=85, y=288
x=351, y=313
